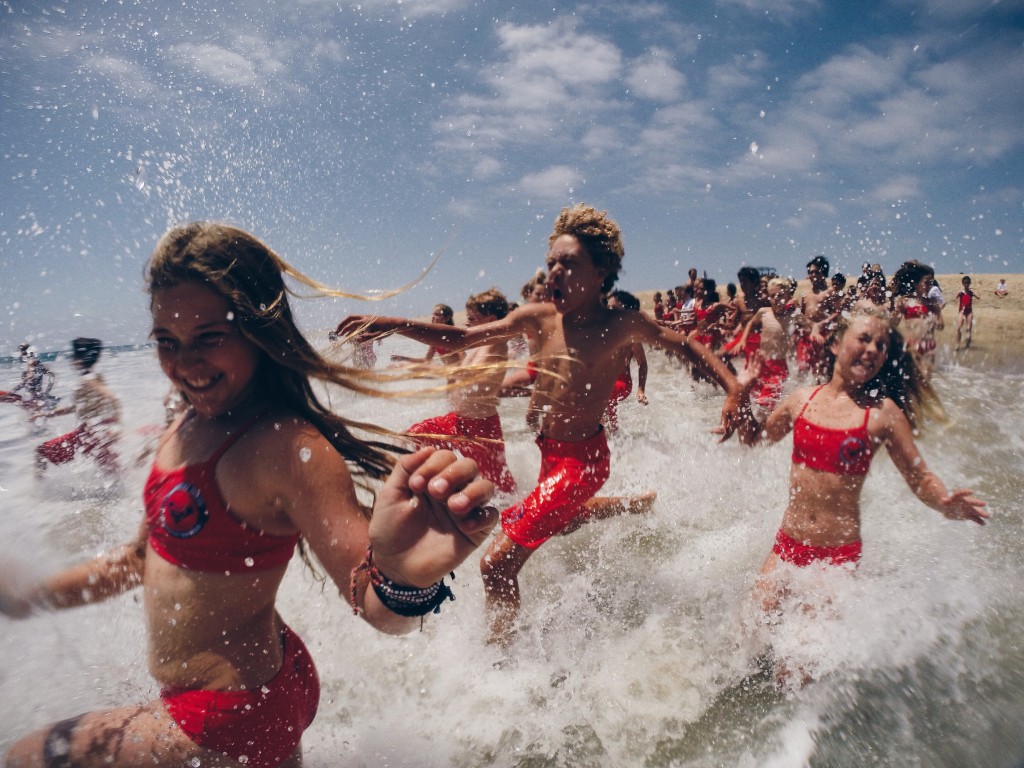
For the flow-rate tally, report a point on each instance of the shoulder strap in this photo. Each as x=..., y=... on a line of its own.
x=808, y=401
x=232, y=439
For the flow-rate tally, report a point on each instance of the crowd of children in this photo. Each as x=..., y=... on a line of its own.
x=255, y=462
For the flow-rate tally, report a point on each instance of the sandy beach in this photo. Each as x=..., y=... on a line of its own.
x=998, y=321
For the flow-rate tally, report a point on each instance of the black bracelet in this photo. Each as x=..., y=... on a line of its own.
x=403, y=600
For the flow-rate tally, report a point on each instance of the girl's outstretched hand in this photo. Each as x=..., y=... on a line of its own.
x=430, y=516
x=961, y=504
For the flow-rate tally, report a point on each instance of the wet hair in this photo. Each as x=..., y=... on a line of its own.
x=748, y=273
x=898, y=379
x=839, y=279
x=446, y=312
x=730, y=289
x=821, y=263
x=626, y=299
x=904, y=282
x=86, y=351
x=246, y=272
x=598, y=234
x=490, y=303
x=782, y=283
x=539, y=278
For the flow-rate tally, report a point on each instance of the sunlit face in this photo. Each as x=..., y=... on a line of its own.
x=539, y=294
x=814, y=274
x=573, y=279
x=201, y=349
x=861, y=351
x=777, y=296
x=439, y=316
x=476, y=317
x=923, y=286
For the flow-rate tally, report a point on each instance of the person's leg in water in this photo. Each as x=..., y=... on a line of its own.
x=604, y=507
x=124, y=737
x=500, y=567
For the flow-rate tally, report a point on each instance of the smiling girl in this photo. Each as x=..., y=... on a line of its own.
x=253, y=466
x=871, y=400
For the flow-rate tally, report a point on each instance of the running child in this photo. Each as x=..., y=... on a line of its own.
x=773, y=326
x=919, y=315
x=872, y=398
x=965, y=312
x=36, y=382
x=813, y=318
x=444, y=314
x=582, y=346
x=624, y=381
x=256, y=464
x=98, y=411
x=473, y=427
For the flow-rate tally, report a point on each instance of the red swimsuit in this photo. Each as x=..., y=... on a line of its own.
x=839, y=452
x=191, y=526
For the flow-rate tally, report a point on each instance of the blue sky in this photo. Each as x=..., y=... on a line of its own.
x=362, y=139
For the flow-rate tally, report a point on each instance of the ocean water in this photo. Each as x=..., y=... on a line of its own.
x=635, y=647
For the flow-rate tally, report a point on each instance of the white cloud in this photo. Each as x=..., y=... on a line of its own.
x=557, y=183
x=215, y=63
x=778, y=10
x=897, y=188
x=653, y=77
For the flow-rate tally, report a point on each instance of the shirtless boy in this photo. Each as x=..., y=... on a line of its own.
x=582, y=346
x=773, y=324
x=98, y=411
x=810, y=344
x=473, y=392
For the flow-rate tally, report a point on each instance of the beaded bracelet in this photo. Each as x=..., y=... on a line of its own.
x=398, y=598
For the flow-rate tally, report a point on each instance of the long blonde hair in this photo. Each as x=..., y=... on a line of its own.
x=250, y=275
x=898, y=379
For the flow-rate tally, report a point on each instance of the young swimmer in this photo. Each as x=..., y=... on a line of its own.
x=442, y=314
x=919, y=316
x=871, y=399
x=518, y=381
x=254, y=466
x=812, y=319
x=965, y=312
x=624, y=381
x=36, y=382
x=473, y=391
x=98, y=411
x=581, y=347
x=772, y=324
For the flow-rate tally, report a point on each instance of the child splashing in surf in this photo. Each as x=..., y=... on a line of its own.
x=255, y=465
x=872, y=398
x=581, y=347
x=98, y=411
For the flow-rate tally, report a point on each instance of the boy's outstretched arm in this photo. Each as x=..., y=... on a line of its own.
x=451, y=337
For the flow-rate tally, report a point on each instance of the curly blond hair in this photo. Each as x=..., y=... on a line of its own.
x=597, y=233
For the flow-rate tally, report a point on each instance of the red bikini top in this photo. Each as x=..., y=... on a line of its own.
x=915, y=310
x=191, y=526
x=837, y=451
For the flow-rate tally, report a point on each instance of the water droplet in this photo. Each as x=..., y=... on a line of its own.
x=231, y=315
x=249, y=562
x=305, y=454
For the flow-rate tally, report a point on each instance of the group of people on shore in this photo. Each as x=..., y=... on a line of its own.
x=256, y=464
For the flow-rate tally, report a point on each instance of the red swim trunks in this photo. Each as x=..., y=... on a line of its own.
x=570, y=474
x=483, y=442
x=769, y=384
x=810, y=354
x=796, y=552
x=531, y=369
x=62, y=449
x=261, y=727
